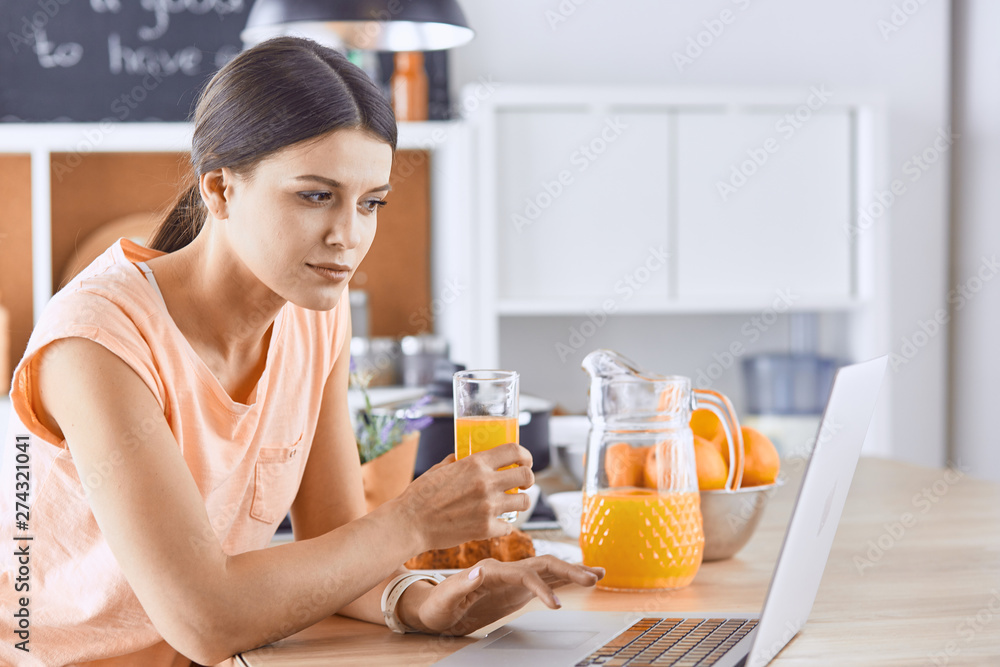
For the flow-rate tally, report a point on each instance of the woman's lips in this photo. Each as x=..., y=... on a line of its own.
x=335, y=275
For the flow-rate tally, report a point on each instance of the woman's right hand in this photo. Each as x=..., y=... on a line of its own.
x=459, y=501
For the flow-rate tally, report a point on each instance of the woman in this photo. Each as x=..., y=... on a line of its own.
x=183, y=397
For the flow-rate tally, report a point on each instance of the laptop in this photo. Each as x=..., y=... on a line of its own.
x=567, y=637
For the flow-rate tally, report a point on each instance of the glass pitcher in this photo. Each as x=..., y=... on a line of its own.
x=641, y=507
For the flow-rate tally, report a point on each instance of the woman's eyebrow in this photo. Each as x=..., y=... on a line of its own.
x=336, y=184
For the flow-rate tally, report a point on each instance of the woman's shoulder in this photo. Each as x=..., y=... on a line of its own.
x=110, y=286
x=106, y=302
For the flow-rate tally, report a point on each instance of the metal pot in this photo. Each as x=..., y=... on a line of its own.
x=421, y=355
x=378, y=358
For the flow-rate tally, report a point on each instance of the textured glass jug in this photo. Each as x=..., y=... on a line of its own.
x=641, y=507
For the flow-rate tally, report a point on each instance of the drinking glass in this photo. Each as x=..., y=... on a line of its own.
x=486, y=414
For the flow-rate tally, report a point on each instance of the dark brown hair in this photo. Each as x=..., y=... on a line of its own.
x=275, y=94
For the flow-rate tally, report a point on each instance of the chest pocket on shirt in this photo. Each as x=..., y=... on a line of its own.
x=276, y=481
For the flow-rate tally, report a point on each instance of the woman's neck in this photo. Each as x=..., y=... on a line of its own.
x=216, y=302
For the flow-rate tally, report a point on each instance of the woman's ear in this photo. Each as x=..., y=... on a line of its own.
x=216, y=191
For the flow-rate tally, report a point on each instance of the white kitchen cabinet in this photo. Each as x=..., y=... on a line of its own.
x=656, y=200
x=764, y=205
x=581, y=206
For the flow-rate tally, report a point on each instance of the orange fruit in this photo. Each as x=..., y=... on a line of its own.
x=655, y=477
x=761, y=463
x=707, y=425
x=652, y=476
x=712, y=469
x=624, y=464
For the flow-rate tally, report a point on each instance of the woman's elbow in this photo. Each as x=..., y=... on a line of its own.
x=203, y=648
x=200, y=635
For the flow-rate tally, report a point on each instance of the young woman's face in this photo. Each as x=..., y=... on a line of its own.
x=309, y=206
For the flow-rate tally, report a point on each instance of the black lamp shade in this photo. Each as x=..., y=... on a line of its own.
x=377, y=25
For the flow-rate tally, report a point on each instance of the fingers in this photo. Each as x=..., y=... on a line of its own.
x=554, y=570
x=443, y=462
x=520, y=477
x=505, y=455
x=525, y=577
x=541, y=575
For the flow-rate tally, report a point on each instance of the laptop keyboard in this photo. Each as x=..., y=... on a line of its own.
x=682, y=642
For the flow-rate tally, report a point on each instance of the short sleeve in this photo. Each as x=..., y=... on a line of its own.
x=79, y=314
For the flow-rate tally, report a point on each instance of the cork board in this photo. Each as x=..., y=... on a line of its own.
x=90, y=190
x=15, y=259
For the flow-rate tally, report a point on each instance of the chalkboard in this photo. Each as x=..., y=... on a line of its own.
x=120, y=60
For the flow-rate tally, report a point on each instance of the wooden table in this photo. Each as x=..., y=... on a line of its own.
x=913, y=579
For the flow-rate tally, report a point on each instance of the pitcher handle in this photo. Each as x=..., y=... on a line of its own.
x=719, y=404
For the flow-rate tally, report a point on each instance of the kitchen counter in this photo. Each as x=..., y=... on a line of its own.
x=913, y=578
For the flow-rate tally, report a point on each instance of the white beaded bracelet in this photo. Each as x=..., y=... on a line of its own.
x=394, y=591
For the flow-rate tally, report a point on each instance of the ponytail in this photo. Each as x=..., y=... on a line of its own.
x=182, y=224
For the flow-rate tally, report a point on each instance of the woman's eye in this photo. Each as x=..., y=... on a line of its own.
x=315, y=197
x=373, y=205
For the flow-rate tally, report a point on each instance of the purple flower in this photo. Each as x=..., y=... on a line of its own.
x=387, y=429
x=419, y=423
x=424, y=400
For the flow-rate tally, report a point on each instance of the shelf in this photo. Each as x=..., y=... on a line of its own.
x=111, y=137
x=675, y=307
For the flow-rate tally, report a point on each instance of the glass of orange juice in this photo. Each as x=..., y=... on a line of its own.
x=486, y=414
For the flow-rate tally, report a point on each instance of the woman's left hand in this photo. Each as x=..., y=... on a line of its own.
x=477, y=596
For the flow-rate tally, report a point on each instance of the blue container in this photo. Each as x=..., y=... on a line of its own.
x=788, y=384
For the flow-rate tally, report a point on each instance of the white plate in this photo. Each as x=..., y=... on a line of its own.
x=568, y=552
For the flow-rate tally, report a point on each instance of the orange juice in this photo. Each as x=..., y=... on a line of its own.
x=645, y=539
x=477, y=434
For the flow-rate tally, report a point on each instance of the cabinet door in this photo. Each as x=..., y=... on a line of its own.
x=582, y=206
x=763, y=205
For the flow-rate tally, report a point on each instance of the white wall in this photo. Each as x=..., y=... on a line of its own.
x=976, y=219
x=780, y=43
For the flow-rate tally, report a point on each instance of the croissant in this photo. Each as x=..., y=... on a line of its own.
x=516, y=546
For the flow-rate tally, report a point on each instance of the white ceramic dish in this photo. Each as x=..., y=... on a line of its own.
x=568, y=507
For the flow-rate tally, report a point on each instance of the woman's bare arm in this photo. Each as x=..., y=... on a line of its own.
x=206, y=604
x=320, y=506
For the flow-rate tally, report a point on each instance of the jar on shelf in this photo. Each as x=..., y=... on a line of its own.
x=409, y=86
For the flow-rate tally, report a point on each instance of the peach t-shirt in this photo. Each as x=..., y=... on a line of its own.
x=246, y=459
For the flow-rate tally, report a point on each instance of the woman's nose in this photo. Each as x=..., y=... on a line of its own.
x=345, y=229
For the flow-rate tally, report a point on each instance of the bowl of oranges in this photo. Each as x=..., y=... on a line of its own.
x=730, y=516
